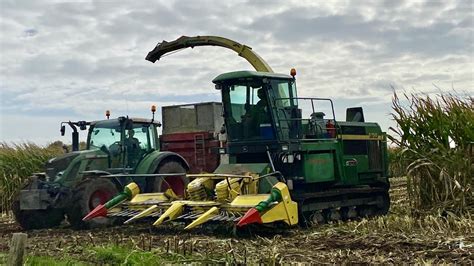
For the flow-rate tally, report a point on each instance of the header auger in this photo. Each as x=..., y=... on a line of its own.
x=290, y=160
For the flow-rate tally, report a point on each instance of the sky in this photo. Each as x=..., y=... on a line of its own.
x=72, y=60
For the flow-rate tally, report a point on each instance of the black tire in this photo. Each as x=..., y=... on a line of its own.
x=383, y=208
x=177, y=183
x=37, y=219
x=86, y=197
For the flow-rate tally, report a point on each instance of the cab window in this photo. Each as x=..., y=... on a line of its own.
x=247, y=111
x=104, y=134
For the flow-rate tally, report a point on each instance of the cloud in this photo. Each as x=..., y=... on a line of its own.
x=73, y=60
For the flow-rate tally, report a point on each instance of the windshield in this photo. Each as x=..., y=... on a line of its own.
x=105, y=134
x=283, y=91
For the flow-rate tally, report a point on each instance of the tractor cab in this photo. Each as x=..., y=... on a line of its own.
x=124, y=140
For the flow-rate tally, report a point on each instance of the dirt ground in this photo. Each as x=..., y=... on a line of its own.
x=353, y=242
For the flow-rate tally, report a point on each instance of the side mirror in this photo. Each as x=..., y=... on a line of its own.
x=63, y=130
x=82, y=125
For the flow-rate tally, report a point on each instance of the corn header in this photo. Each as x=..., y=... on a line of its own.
x=214, y=197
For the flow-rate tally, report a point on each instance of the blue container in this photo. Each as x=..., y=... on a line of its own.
x=266, y=131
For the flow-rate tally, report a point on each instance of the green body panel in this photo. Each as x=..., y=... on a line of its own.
x=85, y=161
x=323, y=145
x=350, y=175
x=238, y=169
x=362, y=163
x=148, y=164
x=322, y=161
x=319, y=167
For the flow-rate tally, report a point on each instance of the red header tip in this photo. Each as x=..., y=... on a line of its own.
x=99, y=211
x=250, y=217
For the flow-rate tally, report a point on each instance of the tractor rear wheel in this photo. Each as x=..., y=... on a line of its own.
x=176, y=183
x=86, y=197
x=37, y=219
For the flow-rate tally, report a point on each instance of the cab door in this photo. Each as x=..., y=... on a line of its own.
x=139, y=141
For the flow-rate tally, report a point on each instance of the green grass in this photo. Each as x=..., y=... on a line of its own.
x=3, y=258
x=115, y=255
x=43, y=260
x=46, y=261
x=124, y=255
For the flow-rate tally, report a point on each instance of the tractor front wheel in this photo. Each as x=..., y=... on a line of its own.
x=37, y=219
x=86, y=197
x=177, y=183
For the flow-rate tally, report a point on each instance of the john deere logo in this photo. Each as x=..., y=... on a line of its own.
x=352, y=162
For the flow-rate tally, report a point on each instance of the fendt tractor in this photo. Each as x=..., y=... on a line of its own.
x=290, y=160
x=118, y=152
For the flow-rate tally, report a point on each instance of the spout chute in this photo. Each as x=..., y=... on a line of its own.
x=184, y=42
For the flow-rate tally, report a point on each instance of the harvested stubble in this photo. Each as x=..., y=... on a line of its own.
x=436, y=138
x=17, y=163
x=396, y=238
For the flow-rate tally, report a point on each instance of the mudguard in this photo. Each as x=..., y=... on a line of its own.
x=150, y=163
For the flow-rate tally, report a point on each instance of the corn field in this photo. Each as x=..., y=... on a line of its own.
x=396, y=167
x=435, y=137
x=17, y=163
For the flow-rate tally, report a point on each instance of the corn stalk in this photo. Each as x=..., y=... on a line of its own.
x=17, y=163
x=436, y=139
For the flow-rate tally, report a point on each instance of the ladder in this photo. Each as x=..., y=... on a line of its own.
x=200, y=151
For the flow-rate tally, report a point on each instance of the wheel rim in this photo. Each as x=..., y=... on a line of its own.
x=100, y=196
x=175, y=183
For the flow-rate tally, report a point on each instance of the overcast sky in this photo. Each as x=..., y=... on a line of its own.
x=72, y=60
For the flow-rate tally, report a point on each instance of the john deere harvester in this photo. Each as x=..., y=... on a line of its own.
x=290, y=160
x=118, y=152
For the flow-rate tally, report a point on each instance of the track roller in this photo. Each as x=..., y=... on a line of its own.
x=348, y=213
x=333, y=215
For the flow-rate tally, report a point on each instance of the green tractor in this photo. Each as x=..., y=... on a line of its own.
x=118, y=152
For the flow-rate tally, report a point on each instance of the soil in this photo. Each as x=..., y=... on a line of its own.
x=332, y=243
